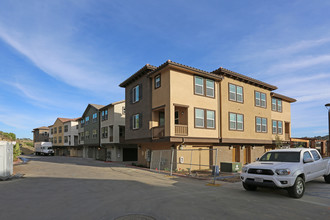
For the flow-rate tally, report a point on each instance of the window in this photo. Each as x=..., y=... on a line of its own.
x=315, y=155
x=277, y=127
x=104, y=115
x=161, y=118
x=87, y=135
x=261, y=124
x=82, y=123
x=236, y=122
x=176, y=117
x=210, y=119
x=94, y=117
x=55, y=130
x=111, y=133
x=51, y=131
x=136, y=121
x=209, y=88
x=235, y=93
x=59, y=140
x=199, y=85
x=260, y=99
x=199, y=118
x=51, y=140
x=277, y=105
x=55, y=140
x=157, y=81
x=204, y=86
x=204, y=118
x=82, y=136
x=87, y=120
x=94, y=135
x=104, y=132
x=66, y=139
x=307, y=155
x=60, y=129
x=136, y=93
x=66, y=128
x=77, y=126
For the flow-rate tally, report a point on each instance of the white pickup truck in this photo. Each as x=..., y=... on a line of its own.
x=286, y=168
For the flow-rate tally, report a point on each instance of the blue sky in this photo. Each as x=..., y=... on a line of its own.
x=58, y=56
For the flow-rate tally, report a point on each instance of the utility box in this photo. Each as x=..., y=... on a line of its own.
x=231, y=167
x=215, y=170
x=6, y=159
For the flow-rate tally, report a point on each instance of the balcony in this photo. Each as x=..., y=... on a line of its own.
x=181, y=130
x=158, y=132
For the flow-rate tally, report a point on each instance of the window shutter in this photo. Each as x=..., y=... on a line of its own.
x=131, y=96
x=140, y=92
x=140, y=120
x=131, y=122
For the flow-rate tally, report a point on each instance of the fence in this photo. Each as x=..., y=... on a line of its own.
x=186, y=161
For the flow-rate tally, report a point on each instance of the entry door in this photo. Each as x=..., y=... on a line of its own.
x=247, y=155
x=236, y=154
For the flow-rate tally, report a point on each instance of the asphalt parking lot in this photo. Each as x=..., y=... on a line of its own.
x=77, y=188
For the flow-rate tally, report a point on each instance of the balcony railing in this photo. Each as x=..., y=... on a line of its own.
x=158, y=132
x=181, y=130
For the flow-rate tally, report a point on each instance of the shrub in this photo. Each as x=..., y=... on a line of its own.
x=16, y=151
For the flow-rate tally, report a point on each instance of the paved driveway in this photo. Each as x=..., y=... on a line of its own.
x=76, y=188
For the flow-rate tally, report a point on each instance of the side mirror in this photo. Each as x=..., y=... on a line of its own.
x=308, y=160
x=257, y=159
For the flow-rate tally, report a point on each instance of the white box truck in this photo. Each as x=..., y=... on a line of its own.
x=43, y=148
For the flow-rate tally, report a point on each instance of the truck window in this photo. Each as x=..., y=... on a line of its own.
x=281, y=157
x=315, y=155
x=49, y=148
x=307, y=155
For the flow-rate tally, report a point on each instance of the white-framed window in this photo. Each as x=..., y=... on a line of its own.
x=276, y=105
x=199, y=85
x=94, y=134
x=261, y=124
x=236, y=122
x=210, y=119
x=157, y=81
x=199, y=118
x=277, y=127
x=86, y=135
x=60, y=129
x=136, y=121
x=260, y=99
x=66, y=128
x=235, y=93
x=104, y=114
x=95, y=117
x=66, y=140
x=136, y=94
x=104, y=132
x=87, y=120
x=209, y=88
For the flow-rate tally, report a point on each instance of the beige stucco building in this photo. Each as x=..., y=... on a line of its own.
x=176, y=106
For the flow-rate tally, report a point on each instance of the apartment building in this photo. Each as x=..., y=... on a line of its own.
x=90, y=122
x=175, y=106
x=112, y=133
x=41, y=134
x=70, y=139
x=56, y=136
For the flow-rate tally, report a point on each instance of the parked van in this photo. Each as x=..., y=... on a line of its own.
x=43, y=148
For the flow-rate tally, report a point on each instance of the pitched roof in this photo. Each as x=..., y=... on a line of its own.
x=65, y=119
x=185, y=67
x=97, y=106
x=145, y=69
x=111, y=104
x=238, y=76
x=42, y=128
x=283, y=97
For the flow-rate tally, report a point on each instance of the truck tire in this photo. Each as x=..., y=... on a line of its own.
x=249, y=187
x=327, y=178
x=298, y=189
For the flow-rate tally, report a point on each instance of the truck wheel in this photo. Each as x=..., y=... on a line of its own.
x=249, y=187
x=298, y=189
x=327, y=178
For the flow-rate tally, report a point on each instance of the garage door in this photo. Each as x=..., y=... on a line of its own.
x=129, y=154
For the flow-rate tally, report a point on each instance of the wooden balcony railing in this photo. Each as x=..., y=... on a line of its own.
x=158, y=132
x=181, y=130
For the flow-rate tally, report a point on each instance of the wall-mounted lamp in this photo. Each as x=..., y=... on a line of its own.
x=253, y=147
x=139, y=147
x=182, y=112
x=231, y=147
x=243, y=147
